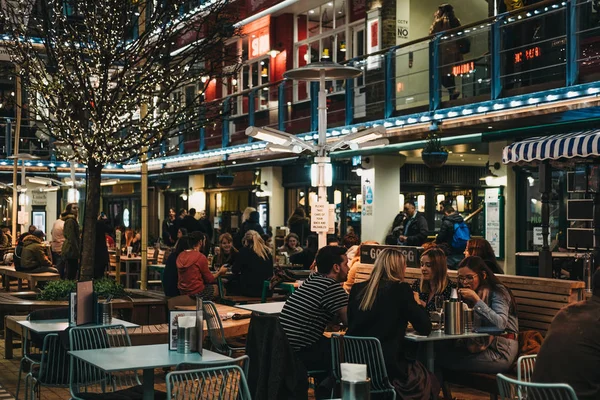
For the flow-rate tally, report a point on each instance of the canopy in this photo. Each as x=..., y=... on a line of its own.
x=566, y=145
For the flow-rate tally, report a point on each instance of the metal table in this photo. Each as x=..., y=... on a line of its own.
x=146, y=358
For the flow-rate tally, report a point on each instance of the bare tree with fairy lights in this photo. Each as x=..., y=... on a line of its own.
x=103, y=77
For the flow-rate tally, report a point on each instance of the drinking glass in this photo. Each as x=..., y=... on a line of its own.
x=439, y=307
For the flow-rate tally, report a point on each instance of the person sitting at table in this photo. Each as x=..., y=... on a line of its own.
x=571, y=350
x=307, y=256
x=493, y=306
x=225, y=253
x=136, y=244
x=34, y=258
x=434, y=279
x=195, y=279
x=319, y=301
x=382, y=307
x=291, y=245
x=170, y=278
x=181, y=232
x=254, y=264
x=482, y=248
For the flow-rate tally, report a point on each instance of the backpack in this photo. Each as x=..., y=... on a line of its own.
x=461, y=236
x=17, y=256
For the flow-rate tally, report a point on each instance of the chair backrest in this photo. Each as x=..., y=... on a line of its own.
x=161, y=257
x=215, y=328
x=225, y=382
x=513, y=389
x=54, y=364
x=88, y=378
x=243, y=362
x=525, y=366
x=361, y=350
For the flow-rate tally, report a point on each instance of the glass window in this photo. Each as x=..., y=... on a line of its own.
x=327, y=17
x=314, y=25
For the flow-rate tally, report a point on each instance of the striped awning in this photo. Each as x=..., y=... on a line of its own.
x=566, y=145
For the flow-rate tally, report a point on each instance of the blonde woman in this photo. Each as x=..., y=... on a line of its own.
x=382, y=307
x=434, y=278
x=254, y=264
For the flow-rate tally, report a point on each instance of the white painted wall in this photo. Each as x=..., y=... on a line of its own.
x=274, y=187
x=197, y=196
x=52, y=199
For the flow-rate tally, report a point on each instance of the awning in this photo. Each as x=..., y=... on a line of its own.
x=566, y=145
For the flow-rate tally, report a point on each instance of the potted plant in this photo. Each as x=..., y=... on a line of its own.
x=60, y=290
x=434, y=155
x=224, y=177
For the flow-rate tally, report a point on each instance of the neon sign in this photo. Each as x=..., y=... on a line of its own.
x=464, y=68
x=527, y=54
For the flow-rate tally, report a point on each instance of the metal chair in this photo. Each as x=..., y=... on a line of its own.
x=33, y=355
x=243, y=362
x=53, y=369
x=215, y=330
x=225, y=382
x=361, y=350
x=513, y=389
x=89, y=382
x=525, y=366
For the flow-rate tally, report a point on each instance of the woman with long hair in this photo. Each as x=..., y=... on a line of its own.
x=382, y=307
x=291, y=245
x=444, y=19
x=254, y=264
x=227, y=253
x=434, y=278
x=482, y=248
x=494, y=307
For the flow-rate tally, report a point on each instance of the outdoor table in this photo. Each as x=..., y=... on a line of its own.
x=231, y=327
x=59, y=325
x=146, y=358
x=436, y=336
x=128, y=261
x=264, y=308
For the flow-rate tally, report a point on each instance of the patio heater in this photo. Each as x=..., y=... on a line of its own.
x=282, y=141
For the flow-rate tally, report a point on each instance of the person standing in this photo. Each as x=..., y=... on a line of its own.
x=190, y=222
x=71, y=246
x=573, y=340
x=415, y=226
x=205, y=226
x=56, y=244
x=446, y=239
x=298, y=224
x=169, y=229
x=450, y=51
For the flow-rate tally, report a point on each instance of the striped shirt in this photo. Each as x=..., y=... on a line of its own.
x=307, y=311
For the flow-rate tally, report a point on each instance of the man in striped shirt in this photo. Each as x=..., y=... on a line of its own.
x=320, y=300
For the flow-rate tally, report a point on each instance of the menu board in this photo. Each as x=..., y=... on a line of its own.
x=492, y=219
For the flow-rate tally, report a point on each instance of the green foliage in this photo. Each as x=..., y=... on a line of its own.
x=434, y=144
x=59, y=290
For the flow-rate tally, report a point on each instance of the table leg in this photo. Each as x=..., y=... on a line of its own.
x=429, y=355
x=8, y=342
x=127, y=275
x=148, y=384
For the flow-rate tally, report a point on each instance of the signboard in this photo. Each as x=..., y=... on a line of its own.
x=368, y=199
x=259, y=39
x=23, y=218
x=402, y=21
x=331, y=230
x=538, y=239
x=319, y=217
x=492, y=219
x=369, y=253
x=39, y=198
x=373, y=40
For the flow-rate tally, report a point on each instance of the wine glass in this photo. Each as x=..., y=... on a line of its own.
x=439, y=308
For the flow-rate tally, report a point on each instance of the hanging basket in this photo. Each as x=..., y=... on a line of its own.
x=435, y=159
x=225, y=180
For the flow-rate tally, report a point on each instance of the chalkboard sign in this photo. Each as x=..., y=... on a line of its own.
x=368, y=254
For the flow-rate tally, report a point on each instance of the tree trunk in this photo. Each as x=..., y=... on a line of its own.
x=92, y=208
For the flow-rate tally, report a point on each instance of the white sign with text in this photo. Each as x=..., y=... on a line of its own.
x=319, y=217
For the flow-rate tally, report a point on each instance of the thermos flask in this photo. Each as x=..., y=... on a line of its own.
x=453, y=315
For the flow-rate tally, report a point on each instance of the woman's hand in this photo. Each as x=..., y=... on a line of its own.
x=469, y=295
x=418, y=299
x=222, y=271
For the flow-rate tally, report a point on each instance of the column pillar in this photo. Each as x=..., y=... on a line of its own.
x=276, y=194
x=380, y=187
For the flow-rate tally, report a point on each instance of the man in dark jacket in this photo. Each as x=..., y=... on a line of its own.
x=571, y=350
x=190, y=222
x=169, y=229
x=33, y=257
x=445, y=236
x=415, y=226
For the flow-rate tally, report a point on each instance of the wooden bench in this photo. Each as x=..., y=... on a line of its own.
x=538, y=301
x=31, y=278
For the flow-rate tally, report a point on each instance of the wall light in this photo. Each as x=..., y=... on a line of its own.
x=440, y=198
x=401, y=201
x=460, y=203
x=327, y=175
x=23, y=199
x=73, y=195
x=337, y=197
x=183, y=196
x=421, y=203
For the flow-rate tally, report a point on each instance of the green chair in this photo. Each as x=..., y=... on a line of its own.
x=88, y=382
x=223, y=383
x=361, y=350
x=243, y=362
x=53, y=368
x=513, y=389
x=215, y=330
x=286, y=287
x=525, y=366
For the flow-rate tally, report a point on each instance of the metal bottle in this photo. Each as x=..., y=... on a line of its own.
x=199, y=325
x=453, y=315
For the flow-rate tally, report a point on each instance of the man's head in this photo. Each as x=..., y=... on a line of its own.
x=38, y=233
x=448, y=210
x=182, y=213
x=409, y=208
x=332, y=261
x=596, y=283
x=172, y=213
x=32, y=228
x=199, y=238
x=192, y=212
